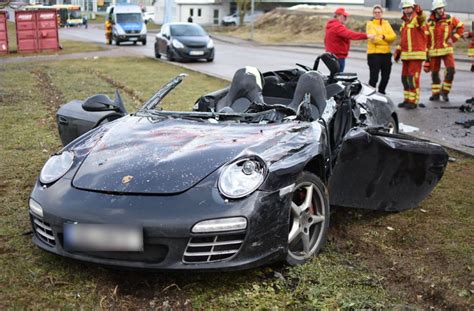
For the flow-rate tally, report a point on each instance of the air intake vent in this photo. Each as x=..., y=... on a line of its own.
x=43, y=231
x=212, y=248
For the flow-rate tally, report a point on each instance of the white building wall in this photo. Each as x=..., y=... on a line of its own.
x=181, y=11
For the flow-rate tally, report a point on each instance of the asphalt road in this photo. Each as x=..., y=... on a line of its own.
x=435, y=122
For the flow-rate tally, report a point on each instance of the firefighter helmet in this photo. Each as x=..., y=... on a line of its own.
x=407, y=4
x=438, y=4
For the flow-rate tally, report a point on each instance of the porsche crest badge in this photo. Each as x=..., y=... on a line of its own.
x=127, y=179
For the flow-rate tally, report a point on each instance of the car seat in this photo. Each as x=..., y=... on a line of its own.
x=245, y=89
x=311, y=83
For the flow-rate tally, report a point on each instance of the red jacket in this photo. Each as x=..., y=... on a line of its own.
x=413, y=37
x=338, y=38
x=440, y=30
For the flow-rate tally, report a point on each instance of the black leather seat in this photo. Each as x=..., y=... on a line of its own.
x=311, y=83
x=245, y=89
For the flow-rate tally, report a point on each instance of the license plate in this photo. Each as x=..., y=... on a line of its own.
x=196, y=53
x=106, y=238
x=133, y=39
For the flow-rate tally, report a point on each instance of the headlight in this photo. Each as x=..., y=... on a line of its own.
x=119, y=29
x=177, y=44
x=241, y=178
x=36, y=208
x=56, y=167
x=210, y=44
x=222, y=224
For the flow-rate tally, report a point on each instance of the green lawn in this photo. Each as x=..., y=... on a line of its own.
x=425, y=261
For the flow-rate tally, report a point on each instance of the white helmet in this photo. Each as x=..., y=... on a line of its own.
x=407, y=4
x=438, y=4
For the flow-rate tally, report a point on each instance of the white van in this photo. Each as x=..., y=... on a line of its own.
x=127, y=23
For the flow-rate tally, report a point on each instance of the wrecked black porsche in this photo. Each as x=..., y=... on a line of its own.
x=244, y=179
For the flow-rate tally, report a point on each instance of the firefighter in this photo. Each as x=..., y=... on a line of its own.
x=444, y=30
x=412, y=52
x=470, y=53
x=108, y=30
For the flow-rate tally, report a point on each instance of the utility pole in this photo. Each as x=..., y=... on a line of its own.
x=252, y=9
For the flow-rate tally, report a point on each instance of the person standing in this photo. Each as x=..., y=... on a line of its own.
x=444, y=31
x=108, y=30
x=412, y=52
x=379, y=55
x=470, y=53
x=337, y=39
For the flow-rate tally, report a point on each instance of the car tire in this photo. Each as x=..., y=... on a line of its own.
x=144, y=42
x=157, y=54
x=308, y=219
x=392, y=126
x=210, y=60
x=117, y=42
x=169, y=55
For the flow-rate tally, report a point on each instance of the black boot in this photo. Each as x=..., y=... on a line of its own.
x=434, y=97
x=445, y=96
x=470, y=100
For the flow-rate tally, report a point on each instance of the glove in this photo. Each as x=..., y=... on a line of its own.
x=427, y=66
x=396, y=55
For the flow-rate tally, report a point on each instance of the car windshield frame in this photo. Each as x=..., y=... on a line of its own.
x=187, y=30
x=129, y=18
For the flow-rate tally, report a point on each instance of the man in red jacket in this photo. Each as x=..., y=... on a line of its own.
x=337, y=39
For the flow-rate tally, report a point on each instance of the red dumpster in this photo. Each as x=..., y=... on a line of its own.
x=36, y=31
x=3, y=33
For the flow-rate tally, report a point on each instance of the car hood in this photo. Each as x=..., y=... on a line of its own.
x=149, y=156
x=193, y=40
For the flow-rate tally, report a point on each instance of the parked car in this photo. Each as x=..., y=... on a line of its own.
x=230, y=20
x=184, y=41
x=244, y=179
x=234, y=19
x=149, y=16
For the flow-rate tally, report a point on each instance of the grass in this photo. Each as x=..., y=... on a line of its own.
x=425, y=261
x=68, y=46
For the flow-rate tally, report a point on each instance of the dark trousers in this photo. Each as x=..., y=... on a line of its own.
x=342, y=64
x=379, y=63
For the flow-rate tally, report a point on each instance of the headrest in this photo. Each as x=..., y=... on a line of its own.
x=245, y=89
x=311, y=83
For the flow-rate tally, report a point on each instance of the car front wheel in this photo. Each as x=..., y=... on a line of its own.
x=309, y=219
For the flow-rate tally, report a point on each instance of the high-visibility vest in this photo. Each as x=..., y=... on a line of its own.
x=440, y=30
x=413, y=36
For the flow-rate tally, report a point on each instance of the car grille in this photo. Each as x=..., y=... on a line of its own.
x=196, y=45
x=212, y=248
x=132, y=31
x=43, y=231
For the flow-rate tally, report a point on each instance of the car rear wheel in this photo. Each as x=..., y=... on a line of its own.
x=157, y=53
x=309, y=219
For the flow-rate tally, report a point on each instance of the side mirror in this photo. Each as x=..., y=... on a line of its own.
x=145, y=21
x=101, y=102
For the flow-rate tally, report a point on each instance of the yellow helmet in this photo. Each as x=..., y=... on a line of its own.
x=407, y=4
x=438, y=4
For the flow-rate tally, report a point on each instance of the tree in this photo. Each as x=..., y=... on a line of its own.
x=243, y=6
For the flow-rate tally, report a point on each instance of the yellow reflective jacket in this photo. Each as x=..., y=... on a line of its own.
x=380, y=28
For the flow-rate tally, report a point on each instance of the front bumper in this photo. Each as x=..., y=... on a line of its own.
x=187, y=53
x=167, y=223
x=131, y=37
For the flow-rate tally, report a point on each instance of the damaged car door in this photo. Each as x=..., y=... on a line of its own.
x=387, y=172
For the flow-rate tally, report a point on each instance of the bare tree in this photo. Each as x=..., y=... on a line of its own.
x=243, y=6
